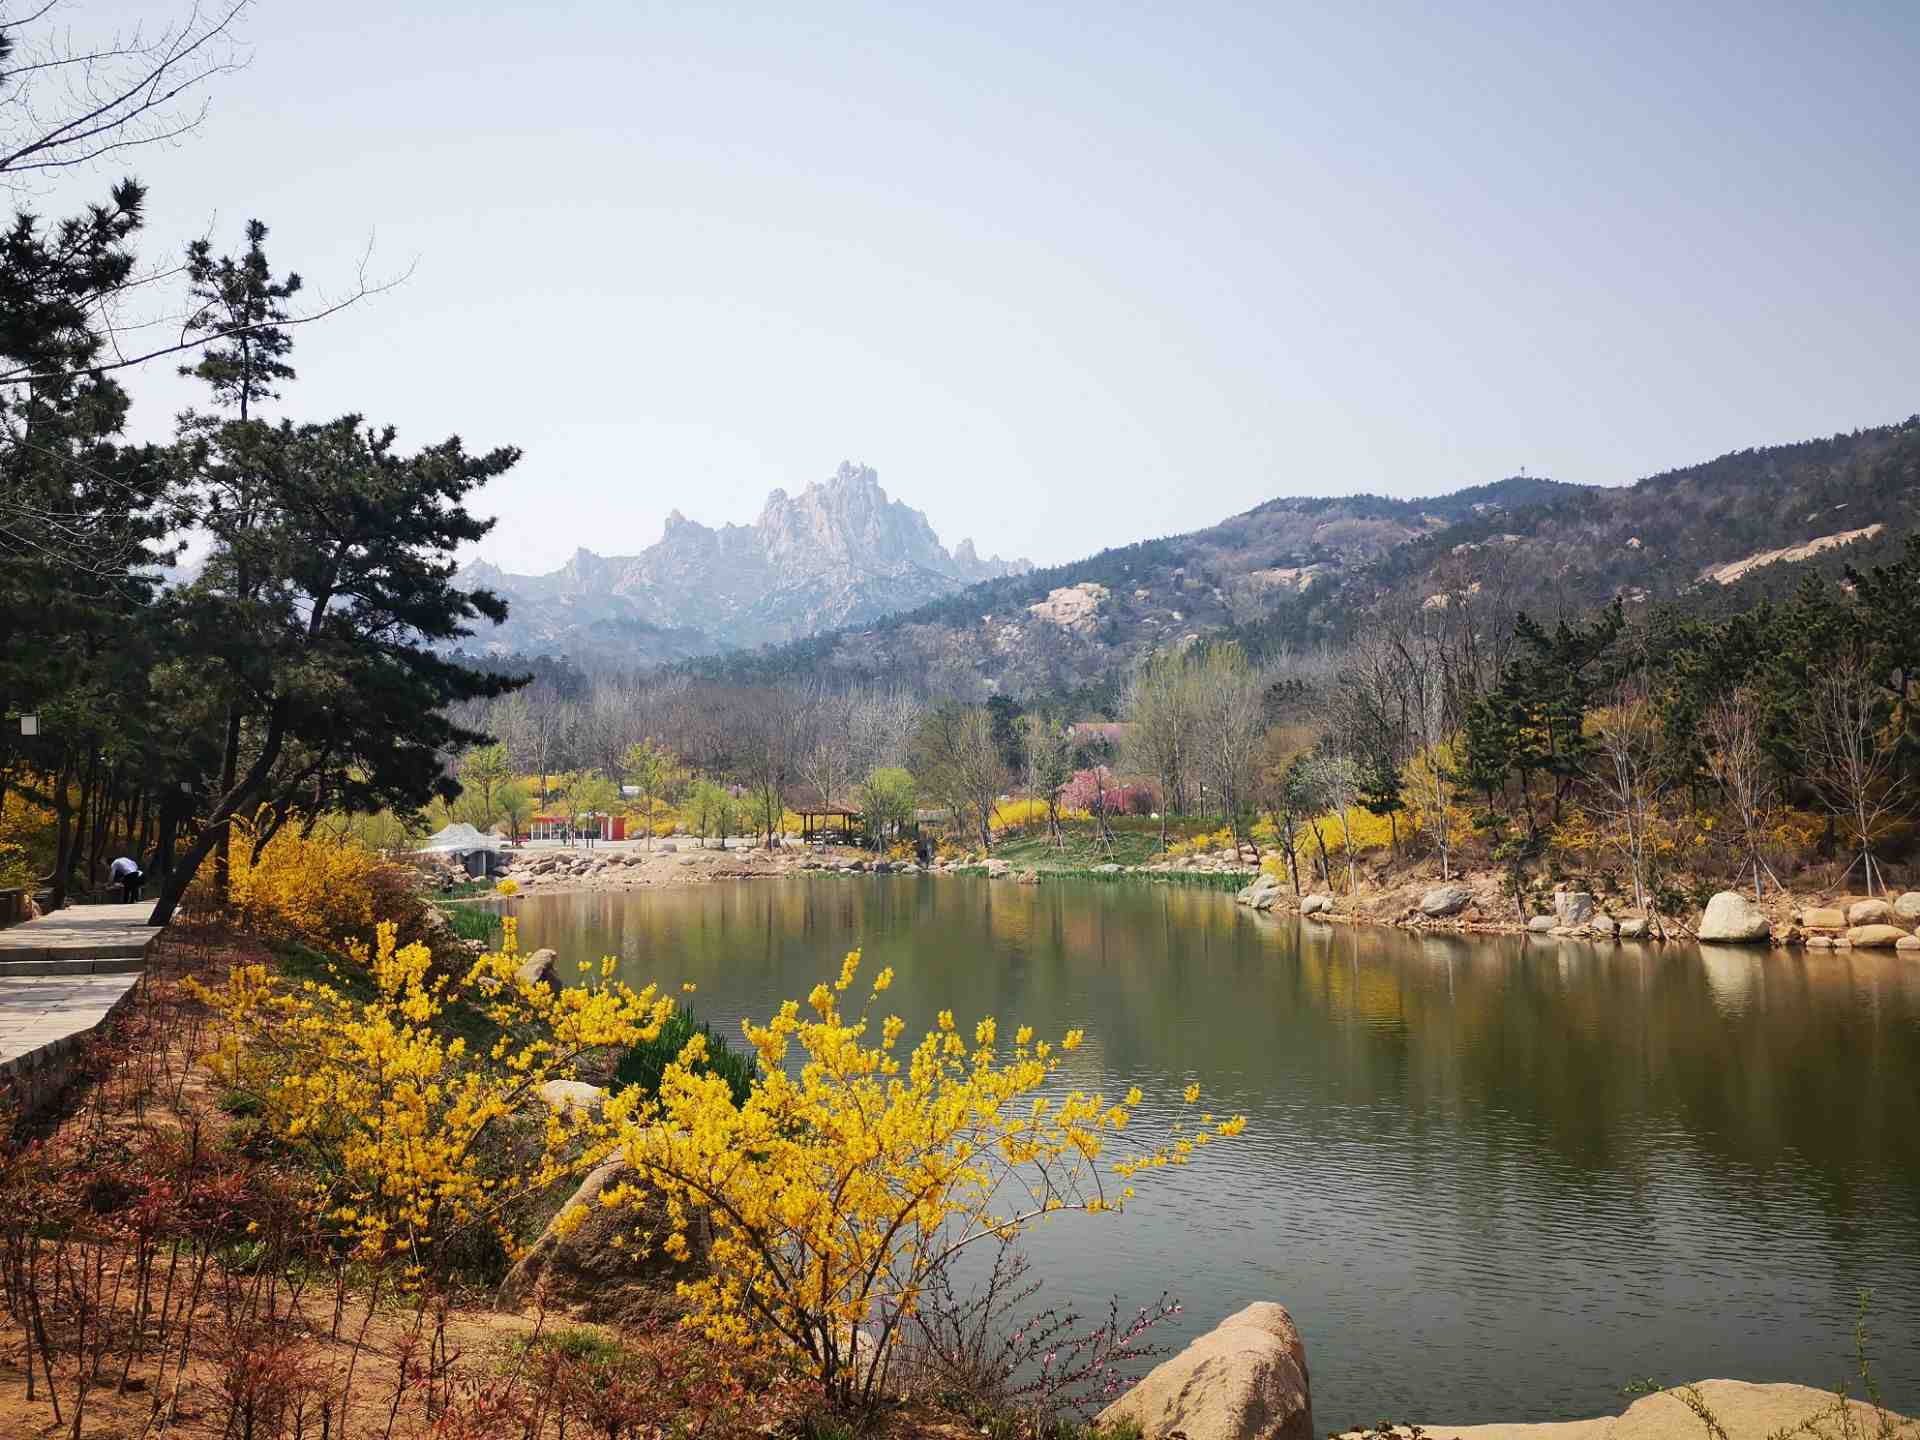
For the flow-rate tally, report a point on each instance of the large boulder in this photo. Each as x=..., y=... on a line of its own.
x=1869, y=912
x=1604, y=925
x=1907, y=908
x=1317, y=905
x=1875, y=937
x=542, y=967
x=1907, y=942
x=1540, y=924
x=577, y=1263
x=567, y=1096
x=1823, y=918
x=1246, y=1379
x=1633, y=927
x=1263, y=886
x=1444, y=900
x=1572, y=907
x=1742, y=1411
x=1732, y=918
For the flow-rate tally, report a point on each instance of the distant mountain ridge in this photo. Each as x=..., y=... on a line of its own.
x=1302, y=572
x=841, y=552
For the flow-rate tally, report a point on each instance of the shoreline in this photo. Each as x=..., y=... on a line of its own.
x=1468, y=903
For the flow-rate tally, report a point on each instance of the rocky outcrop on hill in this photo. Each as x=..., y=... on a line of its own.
x=839, y=552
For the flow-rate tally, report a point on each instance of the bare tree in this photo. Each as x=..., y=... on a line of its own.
x=1738, y=763
x=1628, y=783
x=1161, y=730
x=1333, y=781
x=828, y=765
x=1048, y=751
x=882, y=721
x=1432, y=773
x=958, y=761
x=535, y=725
x=1229, y=720
x=1850, y=762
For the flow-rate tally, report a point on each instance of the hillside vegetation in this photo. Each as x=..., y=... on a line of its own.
x=1302, y=573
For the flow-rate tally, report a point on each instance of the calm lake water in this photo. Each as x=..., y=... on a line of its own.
x=1491, y=1179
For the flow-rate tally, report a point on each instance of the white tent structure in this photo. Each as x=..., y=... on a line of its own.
x=475, y=852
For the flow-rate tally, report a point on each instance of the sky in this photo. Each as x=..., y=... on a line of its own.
x=1067, y=276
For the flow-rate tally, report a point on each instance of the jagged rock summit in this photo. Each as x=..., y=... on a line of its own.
x=840, y=552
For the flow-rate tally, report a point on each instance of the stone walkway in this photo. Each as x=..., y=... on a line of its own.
x=61, y=976
x=69, y=938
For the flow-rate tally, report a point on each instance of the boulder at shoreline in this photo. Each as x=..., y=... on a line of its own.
x=1731, y=918
x=1246, y=1379
x=1444, y=900
x=1745, y=1412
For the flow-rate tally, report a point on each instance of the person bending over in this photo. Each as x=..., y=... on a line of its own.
x=128, y=876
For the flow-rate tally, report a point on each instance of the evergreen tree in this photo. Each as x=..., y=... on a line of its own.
x=328, y=652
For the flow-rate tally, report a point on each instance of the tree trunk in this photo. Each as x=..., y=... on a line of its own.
x=214, y=833
x=229, y=770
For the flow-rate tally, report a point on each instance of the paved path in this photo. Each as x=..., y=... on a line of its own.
x=67, y=940
x=61, y=976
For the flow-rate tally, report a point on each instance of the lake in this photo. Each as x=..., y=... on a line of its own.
x=1492, y=1179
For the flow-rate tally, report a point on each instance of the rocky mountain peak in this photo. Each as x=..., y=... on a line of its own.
x=839, y=552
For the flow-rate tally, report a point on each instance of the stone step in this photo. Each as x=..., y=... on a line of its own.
x=66, y=963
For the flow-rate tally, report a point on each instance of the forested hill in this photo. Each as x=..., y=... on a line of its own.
x=1302, y=571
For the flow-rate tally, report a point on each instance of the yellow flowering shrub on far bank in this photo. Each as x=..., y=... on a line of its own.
x=390, y=1110
x=857, y=1168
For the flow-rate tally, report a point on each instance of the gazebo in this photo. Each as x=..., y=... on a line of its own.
x=822, y=824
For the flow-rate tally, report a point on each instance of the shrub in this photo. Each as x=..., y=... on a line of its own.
x=834, y=1192
x=28, y=840
x=323, y=890
x=390, y=1111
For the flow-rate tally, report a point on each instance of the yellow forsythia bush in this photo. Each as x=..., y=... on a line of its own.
x=849, y=1177
x=324, y=890
x=390, y=1110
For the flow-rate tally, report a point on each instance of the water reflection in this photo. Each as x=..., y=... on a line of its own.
x=1492, y=1178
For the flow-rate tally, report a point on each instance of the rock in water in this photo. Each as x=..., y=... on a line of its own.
x=1317, y=905
x=1572, y=907
x=1540, y=924
x=1907, y=908
x=1732, y=918
x=1875, y=937
x=1244, y=1380
x=1604, y=925
x=1444, y=900
x=1869, y=912
x=1823, y=919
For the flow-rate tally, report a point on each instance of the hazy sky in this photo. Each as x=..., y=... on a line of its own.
x=1071, y=276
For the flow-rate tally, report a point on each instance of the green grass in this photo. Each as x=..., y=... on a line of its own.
x=645, y=1063
x=470, y=922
